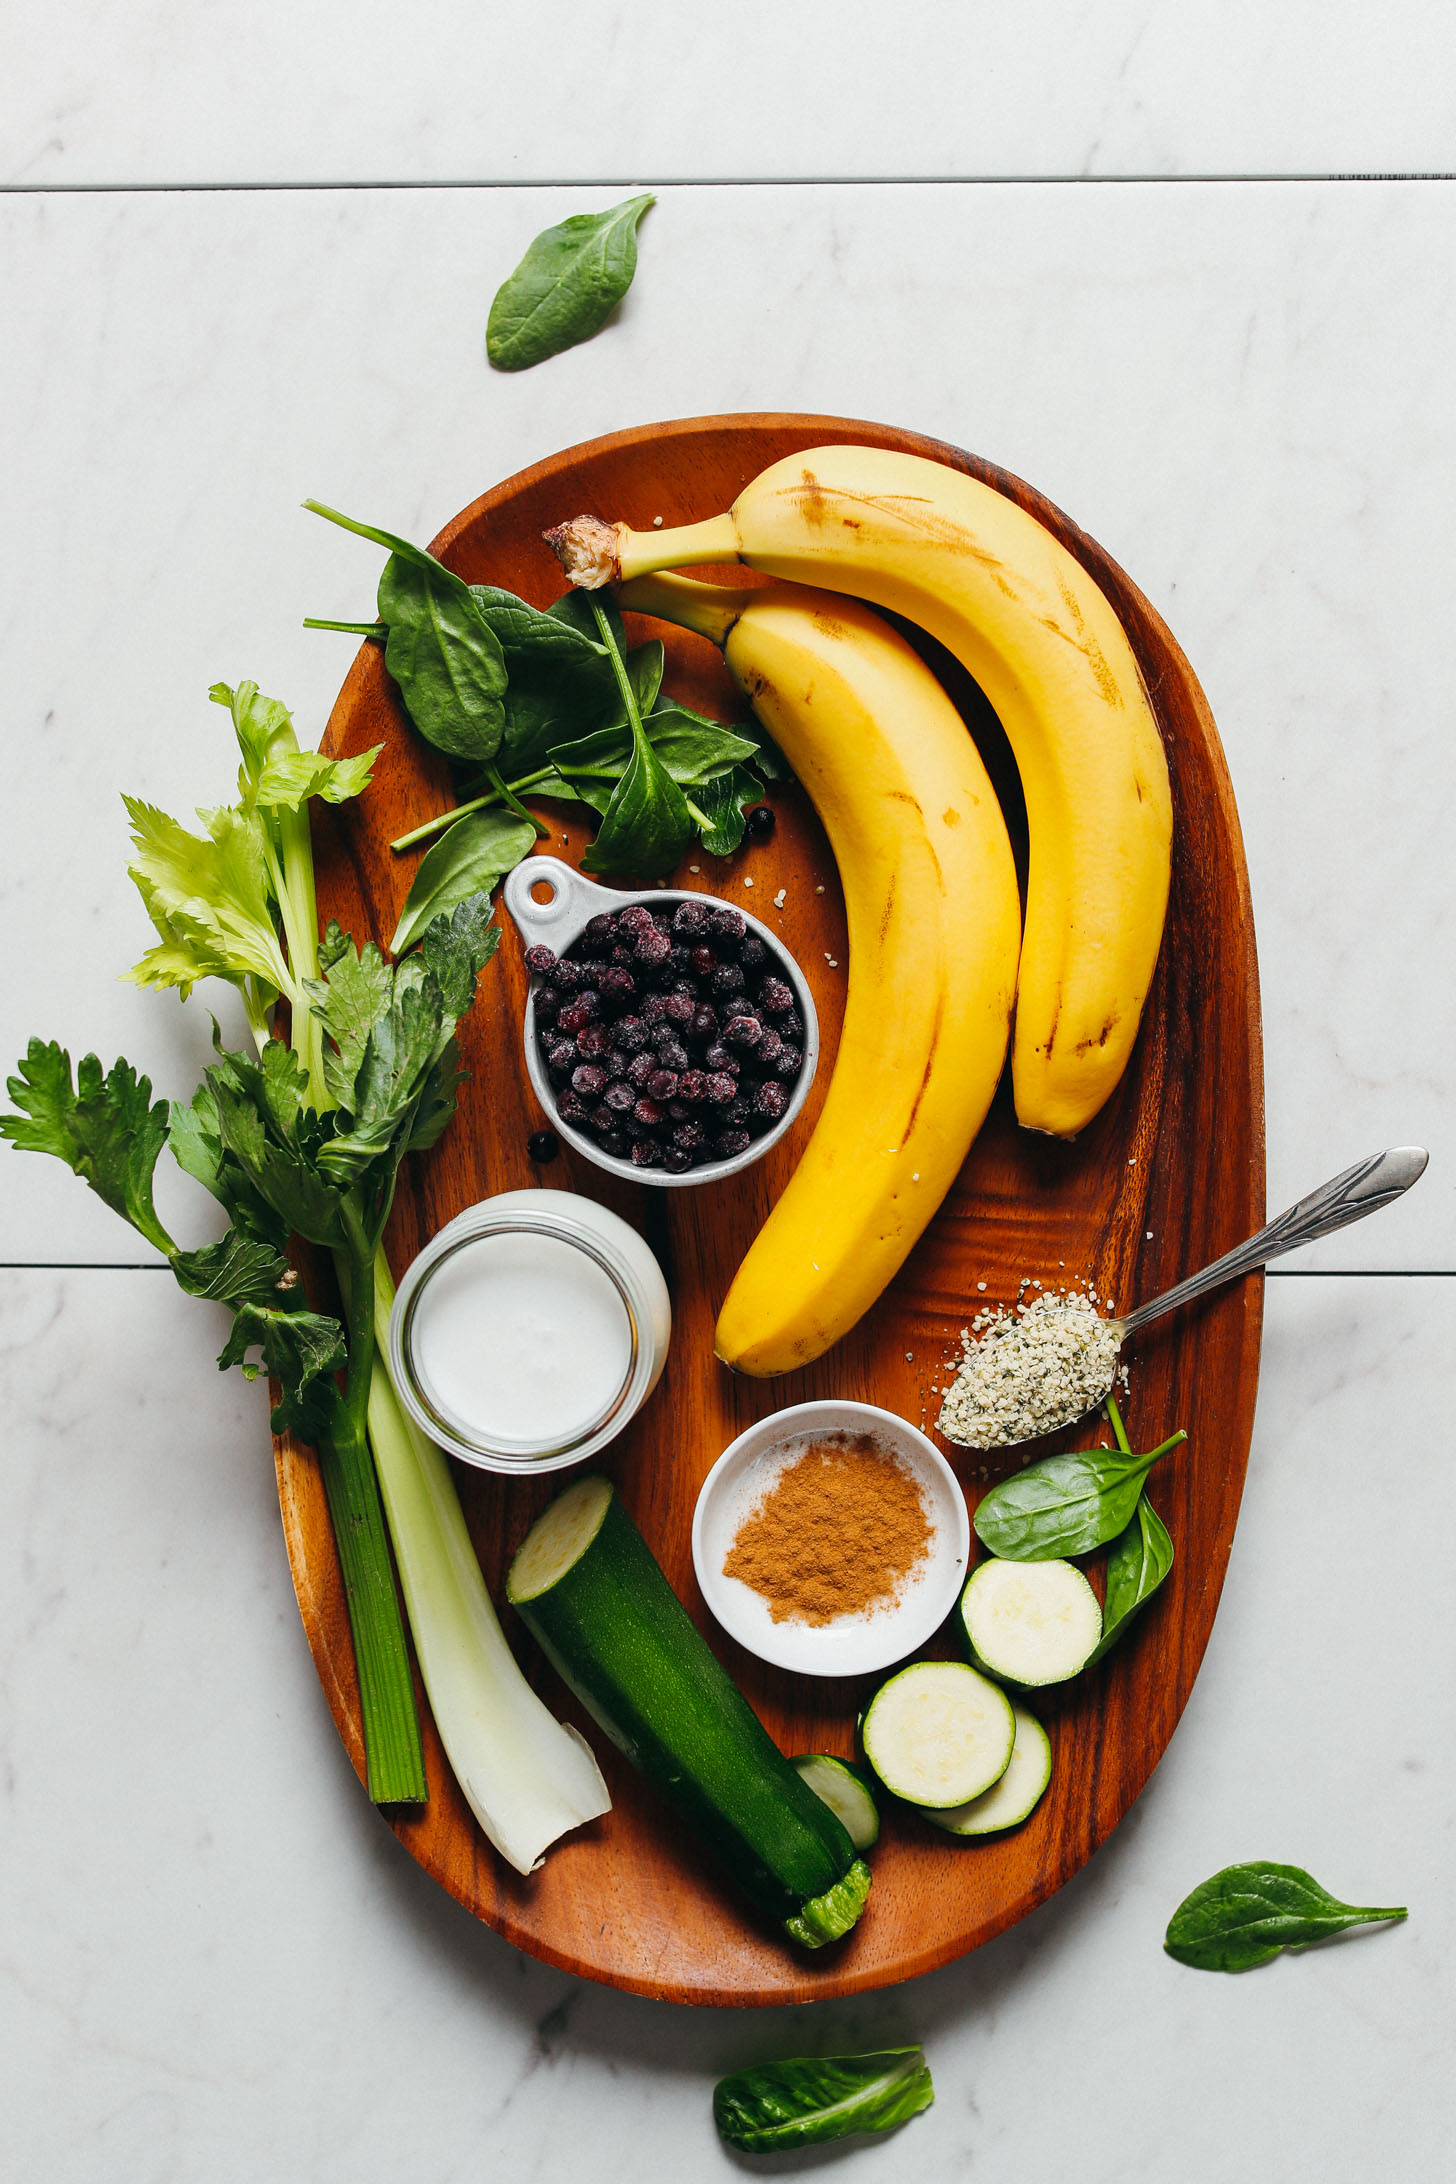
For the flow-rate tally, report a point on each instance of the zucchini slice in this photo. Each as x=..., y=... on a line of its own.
x=845, y=1791
x=1030, y=1623
x=1017, y=1793
x=586, y=1585
x=938, y=1733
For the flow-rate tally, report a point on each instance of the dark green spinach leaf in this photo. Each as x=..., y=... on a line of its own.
x=814, y=2099
x=1248, y=1913
x=1141, y=1558
x=1065, y=1505
x=722, y=803
x=477, y=852
x=441, y=649
x=566, y=287
x=647, y=825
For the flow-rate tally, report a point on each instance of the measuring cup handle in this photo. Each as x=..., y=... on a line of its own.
x=573, y=900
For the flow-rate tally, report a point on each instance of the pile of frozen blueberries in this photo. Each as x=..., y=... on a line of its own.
x=668, y=1035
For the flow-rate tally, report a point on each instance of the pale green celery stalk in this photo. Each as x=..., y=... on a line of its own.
x=527, y=1777
x=393, y=1749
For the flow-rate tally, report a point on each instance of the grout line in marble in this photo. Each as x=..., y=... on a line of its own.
x=706, y=182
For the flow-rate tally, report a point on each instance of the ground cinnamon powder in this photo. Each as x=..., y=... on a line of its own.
x=839, y=1531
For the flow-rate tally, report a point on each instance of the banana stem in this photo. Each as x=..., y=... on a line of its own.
x=594, y=553
x=710, y=609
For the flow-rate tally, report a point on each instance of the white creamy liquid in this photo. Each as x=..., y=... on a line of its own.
x=521, y=1340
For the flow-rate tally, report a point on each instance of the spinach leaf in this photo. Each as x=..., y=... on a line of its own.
x=530, y=636
x=566, y=286
x=477, y=851
x=647, y=824
x=691, y=748
x=813, y=2099
x=1065, y=1505
x=722, y=803
x=1248, y=1913
x=107, y=1130
x=586, y=611
x=441, y=649
x=1141, y=1558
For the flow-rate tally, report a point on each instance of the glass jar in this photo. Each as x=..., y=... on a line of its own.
x=529, y=1331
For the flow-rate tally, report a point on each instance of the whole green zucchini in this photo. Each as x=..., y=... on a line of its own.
x=587, y=1586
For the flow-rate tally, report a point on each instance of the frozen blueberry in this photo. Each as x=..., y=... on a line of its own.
x=648, y=1113
x=768, y=1050
x=613, y=1142
x=620, y=1097
x=705, y=1024
x=652, y=946
x=792, y=1027
x=758, y=822
x=546, y=1005
x=719, y=1088
x=672, y=1054
x=654, y=1007
x=728, y=980
x=566, y=976
x=692, y=1086
x=752, y=953
x=675, y=1161
x=662, y=1085
x=679, y=1008
x=774, y=997
x=743, y=1033
x=645, y=1154
x=702, y=961
x=629, y=1035
x=690, y=919
x=726, y=924
x=770, y=1100
x=593, y=1041
x=789, y=1063
x=730, y=1143
x=635, y=919
x=690, y=1137
x=600, y=931
x=540, y=958
x=721, y=1060
x=543, y=1145
x=571, y=1108
x=589, y=1081
x=616, y=986
x=582, y=1009
x=640, y=1068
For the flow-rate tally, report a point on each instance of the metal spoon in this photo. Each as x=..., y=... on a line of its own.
x=1363, y=1189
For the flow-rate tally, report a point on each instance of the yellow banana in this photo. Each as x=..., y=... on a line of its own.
x=1043, y=642
x=934, y=926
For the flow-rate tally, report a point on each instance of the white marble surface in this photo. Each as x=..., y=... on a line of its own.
x=1240, y=389
x=265, y=91
x=215, y=1962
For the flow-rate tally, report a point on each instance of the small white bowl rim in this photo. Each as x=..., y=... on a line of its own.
x=902, y=1632
x=580, y=890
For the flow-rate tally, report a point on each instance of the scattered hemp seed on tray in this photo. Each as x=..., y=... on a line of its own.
x=1028, y=1370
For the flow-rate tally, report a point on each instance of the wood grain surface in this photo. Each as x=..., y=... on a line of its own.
x=1169, y=1175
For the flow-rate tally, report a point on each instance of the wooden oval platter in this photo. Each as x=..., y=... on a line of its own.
x=1169, y=1175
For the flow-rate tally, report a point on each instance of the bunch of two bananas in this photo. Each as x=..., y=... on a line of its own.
x=939, y=960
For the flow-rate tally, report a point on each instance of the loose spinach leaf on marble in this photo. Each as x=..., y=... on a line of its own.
x=1247, y=1914
x=441, y=649
x=814, y=2099
x=1065, y=1505
x=477, y=851
x=566, y=287
x=1141, y=1557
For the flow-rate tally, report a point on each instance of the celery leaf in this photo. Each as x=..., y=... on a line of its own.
x=107, y=1129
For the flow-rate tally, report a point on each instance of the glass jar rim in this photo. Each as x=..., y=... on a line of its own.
x=454, y=1433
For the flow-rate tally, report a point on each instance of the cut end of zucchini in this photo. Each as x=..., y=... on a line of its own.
x=558, y=1538
x=847, y=1794
x=1016, y=1795
x=939, y=1733
x=1032, y=1622
x=825, y=1918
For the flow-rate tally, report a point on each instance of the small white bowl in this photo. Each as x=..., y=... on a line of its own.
x=852, y=1645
